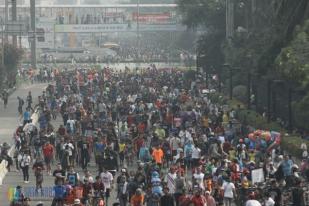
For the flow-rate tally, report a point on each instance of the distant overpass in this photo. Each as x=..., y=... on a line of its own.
x=98, y=6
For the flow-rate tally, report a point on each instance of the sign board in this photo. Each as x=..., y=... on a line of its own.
x=153, y=18
x=45, y=30
x=257, y=175
x=16, y=28
x=102, y=28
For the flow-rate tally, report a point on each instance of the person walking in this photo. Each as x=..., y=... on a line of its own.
x=20, y=106
x=48, y=152
x=229, y=192
x=5, y=97
x=25, y=160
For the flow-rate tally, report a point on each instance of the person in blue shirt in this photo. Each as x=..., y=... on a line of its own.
x=188, y=153
x=287, y=170
x=144, y=154
x=18, y=195
x=27, y=116
x=287, y=166
x=60, y=193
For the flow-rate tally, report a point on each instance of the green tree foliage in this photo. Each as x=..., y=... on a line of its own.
x=293, y=60
x=12, y=56
x=209, y=13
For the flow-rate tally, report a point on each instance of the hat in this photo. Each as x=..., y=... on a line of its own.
x=207, y=192
x=76, y=201
x=138, y=191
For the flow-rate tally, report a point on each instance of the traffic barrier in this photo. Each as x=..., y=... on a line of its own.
x=3, y=170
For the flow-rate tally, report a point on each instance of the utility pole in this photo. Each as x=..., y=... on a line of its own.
x=268, y=99
x=33, y=34
x=229, y=15
x=290, y=117
x=253, y=10
x=14, y=18
x=2, y=53
x=138, y=30
x=6, y=13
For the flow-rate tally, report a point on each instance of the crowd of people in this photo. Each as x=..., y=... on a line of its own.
x=156, y=136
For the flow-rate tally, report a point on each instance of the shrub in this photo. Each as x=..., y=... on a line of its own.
x=240, y=92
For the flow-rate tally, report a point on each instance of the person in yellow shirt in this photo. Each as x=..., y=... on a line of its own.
x=245, y=183
x=251, y=156
x=205, y=121
x=232, y=154
x=122, y=147
x=225, y=118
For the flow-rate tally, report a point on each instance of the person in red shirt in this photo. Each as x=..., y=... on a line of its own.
x=198, y=199
x=141, y=127
x=48, y=152
x=138, y=143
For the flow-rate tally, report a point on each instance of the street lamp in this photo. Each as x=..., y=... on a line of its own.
x=269, y=91
x=231, y=77
x=2, y=42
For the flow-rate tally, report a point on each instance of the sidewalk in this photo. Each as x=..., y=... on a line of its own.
x=8, y=123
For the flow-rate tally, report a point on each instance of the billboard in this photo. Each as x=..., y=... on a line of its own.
x=103, y=28
x=152, y=18
x=45, y=32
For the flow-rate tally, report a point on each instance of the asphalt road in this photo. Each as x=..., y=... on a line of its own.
x=9, y=121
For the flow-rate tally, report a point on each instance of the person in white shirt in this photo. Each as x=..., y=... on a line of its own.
x=25, y=160
x=252, y=201
x=229, y=192
x=198, y=178
x=107, y=179
x=269, y=201
x=170, y=180
x=174, y=144
x=69, y=147
x=71, y=126
x=196, y=156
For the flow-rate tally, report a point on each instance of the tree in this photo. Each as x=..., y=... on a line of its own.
x=12, y=56
x=209, y=14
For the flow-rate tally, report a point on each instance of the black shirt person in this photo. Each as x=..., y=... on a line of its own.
x=276, y=193
x=298, y=194
x=167, y=199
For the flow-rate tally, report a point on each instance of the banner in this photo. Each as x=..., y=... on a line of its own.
x=152, y=18
x=257, y=175
x=90, y=28
x=103, y=28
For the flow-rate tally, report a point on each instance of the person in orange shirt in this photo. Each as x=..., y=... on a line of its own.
x=157, y=154
x=138, y=198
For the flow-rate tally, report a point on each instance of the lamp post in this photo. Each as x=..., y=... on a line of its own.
x=2, y=51
x=269, y=95
x=231, y=79
x=33, y=31
x=290, y=123
x=249, y=90
x=138, y=29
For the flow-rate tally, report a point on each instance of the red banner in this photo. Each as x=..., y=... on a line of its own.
x=159, y=18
